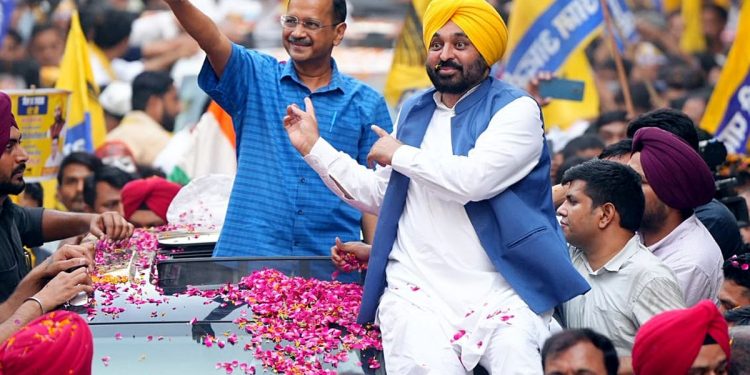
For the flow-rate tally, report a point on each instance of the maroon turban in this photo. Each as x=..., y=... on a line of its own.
x=676, y=172
x=155, y=192
x=6, y=120
x=56, y=343
x=669, y=342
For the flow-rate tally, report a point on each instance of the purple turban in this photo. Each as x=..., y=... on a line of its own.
x=6, y=120
x=676, y=172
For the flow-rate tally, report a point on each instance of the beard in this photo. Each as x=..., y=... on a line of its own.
x=654, y=217
x=10, y=188
x=168, y=121
x=13, y=188
x=467, y=77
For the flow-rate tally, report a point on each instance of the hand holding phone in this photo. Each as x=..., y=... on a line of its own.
x=559, y=88
x=81, y=298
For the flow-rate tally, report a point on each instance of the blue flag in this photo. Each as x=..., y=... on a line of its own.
x=7, y=9
x=560, y=30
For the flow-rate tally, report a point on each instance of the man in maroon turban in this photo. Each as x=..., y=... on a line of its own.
x=7, y=120
x=676, y=181
x=146, y=201
x=674, y=342
x=57, y=343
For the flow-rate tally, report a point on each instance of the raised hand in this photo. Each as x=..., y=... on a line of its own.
x=533, y=87
x=382, y=151
x=302, y=126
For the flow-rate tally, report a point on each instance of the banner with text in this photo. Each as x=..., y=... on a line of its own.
x=41, y=115
x=559, y=31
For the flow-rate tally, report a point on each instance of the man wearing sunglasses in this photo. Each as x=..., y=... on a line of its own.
x=278, y=205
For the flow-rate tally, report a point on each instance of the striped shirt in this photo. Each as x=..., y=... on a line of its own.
x=279, y=206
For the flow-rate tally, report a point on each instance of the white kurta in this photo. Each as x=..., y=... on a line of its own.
x=437, y=269
x=695, y=258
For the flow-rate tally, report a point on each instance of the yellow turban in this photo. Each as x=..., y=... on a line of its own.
x=477, y=18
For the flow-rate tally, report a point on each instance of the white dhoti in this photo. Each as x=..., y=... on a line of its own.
x=419, y=340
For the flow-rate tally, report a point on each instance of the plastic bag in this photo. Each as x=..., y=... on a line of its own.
x=202, y=203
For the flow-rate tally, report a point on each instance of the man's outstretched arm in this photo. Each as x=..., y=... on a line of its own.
x=57, y=225
x=217, y=46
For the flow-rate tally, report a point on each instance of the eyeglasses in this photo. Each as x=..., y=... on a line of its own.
x=291, y=22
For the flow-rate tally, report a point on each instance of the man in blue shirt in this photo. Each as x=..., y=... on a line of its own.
x=279, y=206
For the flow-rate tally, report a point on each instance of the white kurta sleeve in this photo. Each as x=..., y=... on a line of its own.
x=504, y=153
x=360, y=187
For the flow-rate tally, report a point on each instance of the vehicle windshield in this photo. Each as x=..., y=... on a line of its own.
x=162, y=310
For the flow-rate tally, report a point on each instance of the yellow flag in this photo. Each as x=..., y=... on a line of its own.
x=726, y=4
x=85, y=122
x=670, y=6
x=692, y=39
x=407, y=70
x=527, y=18
x=86, y=129
x=728, y=112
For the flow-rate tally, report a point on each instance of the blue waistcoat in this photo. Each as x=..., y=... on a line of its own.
x=517, y=228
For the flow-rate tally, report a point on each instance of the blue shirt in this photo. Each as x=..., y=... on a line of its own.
x=279, y=206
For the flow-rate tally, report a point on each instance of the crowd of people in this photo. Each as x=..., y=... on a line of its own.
x=491, y=243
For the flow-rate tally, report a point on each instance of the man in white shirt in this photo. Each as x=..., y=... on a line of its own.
x=147, y=128
x=675, y=181
x=602, y=210
x=468, y=259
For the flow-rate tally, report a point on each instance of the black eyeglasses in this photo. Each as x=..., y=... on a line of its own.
x=291, y=22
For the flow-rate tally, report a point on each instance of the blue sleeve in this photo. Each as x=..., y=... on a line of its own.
x=381, y=117
x=230, y=90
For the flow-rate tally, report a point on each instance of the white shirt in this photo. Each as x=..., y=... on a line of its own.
x=437, y=260
x=626, y=292
x=144, y=137
x=124, y=71
x=436, y=244
x=695, y=258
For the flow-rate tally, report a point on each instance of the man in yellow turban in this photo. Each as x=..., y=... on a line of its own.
x=468, y=259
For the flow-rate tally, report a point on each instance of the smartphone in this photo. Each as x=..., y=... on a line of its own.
x=559, y=88
x=71, y=269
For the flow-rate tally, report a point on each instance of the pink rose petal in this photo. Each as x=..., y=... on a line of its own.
x=457, y=336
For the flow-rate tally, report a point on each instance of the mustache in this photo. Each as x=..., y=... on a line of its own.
x=448, y=64
x=20, y=169
x=300, y=41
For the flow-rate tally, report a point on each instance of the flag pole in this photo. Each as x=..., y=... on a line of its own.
x=618, y=60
